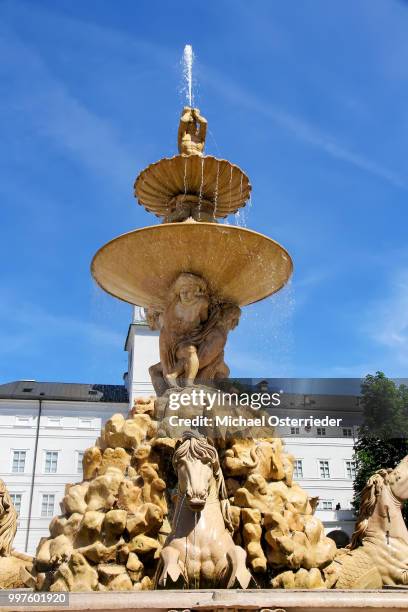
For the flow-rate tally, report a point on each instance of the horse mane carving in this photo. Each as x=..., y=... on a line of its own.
x=378, y=552
x=8, y=521
x=368, y=502
x=196, y=446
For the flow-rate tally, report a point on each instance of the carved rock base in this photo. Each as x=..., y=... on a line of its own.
x=114, y=523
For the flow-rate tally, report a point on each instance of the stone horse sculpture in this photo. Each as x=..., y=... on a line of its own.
x=200, y=550
x=378, y=552
x=14, y=566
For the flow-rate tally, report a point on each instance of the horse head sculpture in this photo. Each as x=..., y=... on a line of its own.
x=385, y=491
x=377, y=555
x=196, y=463
x=200, y=549
x=198, y=468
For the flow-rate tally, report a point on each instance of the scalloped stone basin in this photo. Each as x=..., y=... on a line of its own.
x=209, y=178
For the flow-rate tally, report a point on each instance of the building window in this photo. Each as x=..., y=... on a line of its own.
x=51, y=462
x=22, y=420
x=85, y=423
x=47, y=505
x=324, y=468
x=294, y=431
x=298, y=468
x=54, y=421
x=347, y=432
x=326, y=504
x=351, y=469
x=19, y=459
x=321, y=431
x=80, y=456
x=16, y=499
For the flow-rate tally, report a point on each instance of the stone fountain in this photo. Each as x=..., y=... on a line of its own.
x=191, y=191
x=194, y=508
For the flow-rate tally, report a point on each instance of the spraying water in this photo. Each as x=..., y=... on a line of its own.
x=188, y=59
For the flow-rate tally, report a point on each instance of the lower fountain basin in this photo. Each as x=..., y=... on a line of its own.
x=240, y=266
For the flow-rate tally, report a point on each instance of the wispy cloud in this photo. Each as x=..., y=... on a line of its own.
x=387, y=320
x=30, y=327
x=56, y=114
x=298, y=127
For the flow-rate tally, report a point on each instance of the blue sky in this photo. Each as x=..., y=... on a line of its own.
x=309, y=98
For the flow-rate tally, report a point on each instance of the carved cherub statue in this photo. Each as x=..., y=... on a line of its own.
x=222, y=320
x=192, y=132
x=193, y=331
x=185, y=312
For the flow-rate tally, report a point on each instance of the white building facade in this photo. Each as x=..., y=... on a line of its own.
x=324, y=456
x=45, y=428
x=142, y=346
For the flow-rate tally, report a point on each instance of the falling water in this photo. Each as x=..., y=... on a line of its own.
x=242, y=222
x=188, y=59
x=185, y=178
x=239, y=218
x=230, y=186
x=216, y=189
x=200, y=194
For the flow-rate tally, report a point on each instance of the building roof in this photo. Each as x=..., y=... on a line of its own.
x=31, y=389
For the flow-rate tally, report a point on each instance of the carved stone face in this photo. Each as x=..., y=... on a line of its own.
x=231, y=317
x=189, y=293
x=188, y=288
x=194, y=478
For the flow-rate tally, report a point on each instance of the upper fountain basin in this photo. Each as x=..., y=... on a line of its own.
x=212, y=180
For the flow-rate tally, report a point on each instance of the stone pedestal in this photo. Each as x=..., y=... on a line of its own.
x=231, y=601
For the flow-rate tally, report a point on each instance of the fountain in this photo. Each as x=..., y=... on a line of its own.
x=193, y=508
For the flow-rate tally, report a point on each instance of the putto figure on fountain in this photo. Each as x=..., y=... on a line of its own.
x=193, y=333
x=192, y=132
x=184, y=315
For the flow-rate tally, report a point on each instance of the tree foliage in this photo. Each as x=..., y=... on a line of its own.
x=383, y=438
